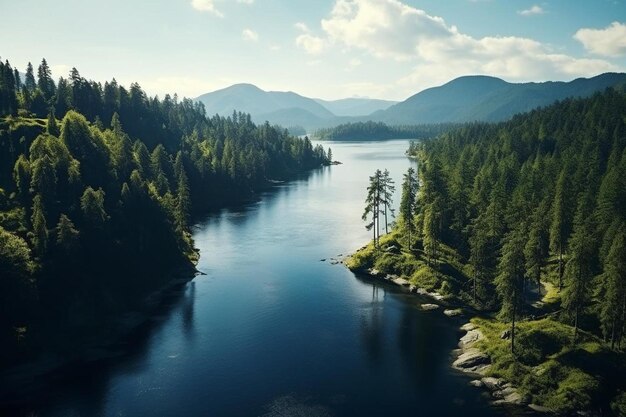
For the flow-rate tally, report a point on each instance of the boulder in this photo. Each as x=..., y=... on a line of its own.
x=429, y=307
x=471, y=360
x=453, y=313
x=477, y=383
x=469, y=326
x=493, y=384
x=470, y=338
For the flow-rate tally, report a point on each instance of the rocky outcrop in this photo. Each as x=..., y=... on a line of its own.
x=472, y=360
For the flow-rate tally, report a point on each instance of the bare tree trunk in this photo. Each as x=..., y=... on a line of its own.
x=386, y=224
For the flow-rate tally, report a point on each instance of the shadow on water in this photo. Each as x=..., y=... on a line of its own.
x=89, y=380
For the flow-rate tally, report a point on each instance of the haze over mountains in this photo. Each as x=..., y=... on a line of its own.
x=465, y=99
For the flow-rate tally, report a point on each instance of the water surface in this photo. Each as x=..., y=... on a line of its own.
x=273, y=331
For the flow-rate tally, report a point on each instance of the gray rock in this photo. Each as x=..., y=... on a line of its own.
x=429, y=307
x=477, y=383
x=539, y=408
x=392, y=249
x=471, y=360
x=470, y=338
x=469, y=326
x=493, y=384
x=453, y=313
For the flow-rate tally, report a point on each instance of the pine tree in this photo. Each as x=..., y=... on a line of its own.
x=183, y=201
x=67, y=235
x=613, y=303
x=52, y=126
x=387, y=190
x=372, y=205
x=509, y=280
x=561, y=218
x=330, y=155
x=579, y=267
x=29, y=80
x=45, y=81
x=40, y=229
x=410, y=188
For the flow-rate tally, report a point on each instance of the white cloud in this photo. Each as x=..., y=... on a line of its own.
x=311, y=44
x=249, y=35
x=209, y=6
x=534, y=10
x=610, y=41
x=206, y=6
x=389, y=29
x=302, y=27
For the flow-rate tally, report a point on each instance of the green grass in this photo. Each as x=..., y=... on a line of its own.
x=552, y=295
x=447, y=278
x=548, y=369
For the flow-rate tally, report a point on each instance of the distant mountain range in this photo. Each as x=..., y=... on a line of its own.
x=465, y=99
x=489, y=99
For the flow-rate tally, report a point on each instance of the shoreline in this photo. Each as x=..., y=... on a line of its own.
x=468, y=359
x=20, y=380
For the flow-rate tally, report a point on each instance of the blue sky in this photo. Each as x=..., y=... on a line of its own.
x=324, y=48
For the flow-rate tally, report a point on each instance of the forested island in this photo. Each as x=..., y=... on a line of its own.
x=522, y=223
x=98, y=184
x=380, y=131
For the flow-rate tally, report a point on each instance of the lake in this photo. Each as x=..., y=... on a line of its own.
x=272, y=330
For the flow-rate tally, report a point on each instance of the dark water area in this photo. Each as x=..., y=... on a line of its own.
x=271, y=330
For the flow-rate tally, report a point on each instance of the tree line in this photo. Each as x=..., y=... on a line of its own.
x=539, y=198
x=378, y=131
x=98, y=185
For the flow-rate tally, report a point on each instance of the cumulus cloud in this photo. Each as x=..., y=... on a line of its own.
x=210, y=7
x=610, y=41
x=389, y=29
x=249, y=35
x=535, y=10
x=206, y=6
x=311, y=44
x=302, y=27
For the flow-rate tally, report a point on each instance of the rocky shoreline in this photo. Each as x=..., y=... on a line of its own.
x=468, y=358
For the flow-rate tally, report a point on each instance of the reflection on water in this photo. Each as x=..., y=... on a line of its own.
x=271, y=330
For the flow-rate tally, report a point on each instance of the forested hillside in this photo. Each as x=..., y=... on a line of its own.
x=528, y=219
x=97, y=177
x=380, y=131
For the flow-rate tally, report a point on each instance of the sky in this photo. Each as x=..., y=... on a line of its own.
x=331, y=49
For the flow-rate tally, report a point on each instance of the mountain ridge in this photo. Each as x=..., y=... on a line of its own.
x=464, y=99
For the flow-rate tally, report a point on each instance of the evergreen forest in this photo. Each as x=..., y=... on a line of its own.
x=96, y=176
x=524, y=223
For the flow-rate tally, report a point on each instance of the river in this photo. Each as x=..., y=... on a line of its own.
x=272, y=330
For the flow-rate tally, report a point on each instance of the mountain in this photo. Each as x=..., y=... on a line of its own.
x=489, y=99
x=354, y=107
x=275, y=106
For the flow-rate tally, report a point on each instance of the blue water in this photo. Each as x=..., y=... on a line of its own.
x=273, y=331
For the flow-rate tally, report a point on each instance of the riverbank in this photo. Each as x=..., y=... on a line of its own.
x=547, y=373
